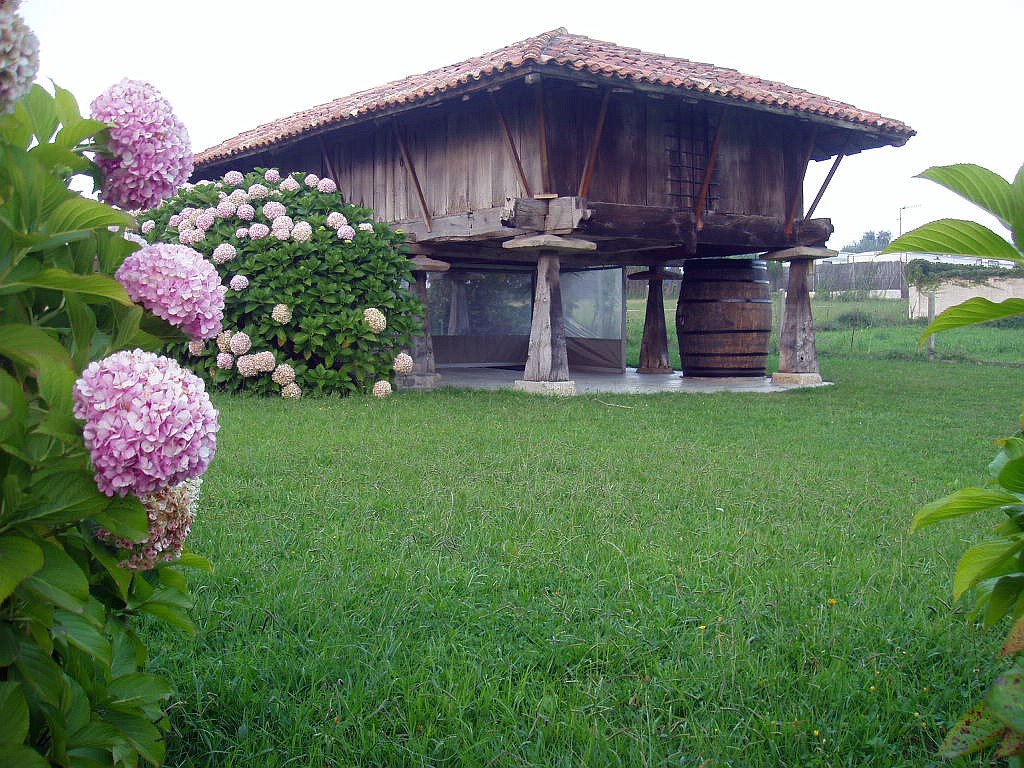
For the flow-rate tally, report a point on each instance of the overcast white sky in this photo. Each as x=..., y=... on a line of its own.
x=951, y=70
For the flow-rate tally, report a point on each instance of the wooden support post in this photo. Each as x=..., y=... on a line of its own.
x=798, y=353
x=709, y=171
x=424, y=371
x=654, y=346
x=798, y=189
x=412, y=174
x=547, y=359
x=542, y=136
x=595, y=142
x=547, y=364
x=511, y=146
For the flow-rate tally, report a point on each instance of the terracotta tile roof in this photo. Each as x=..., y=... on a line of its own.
x=559, y=49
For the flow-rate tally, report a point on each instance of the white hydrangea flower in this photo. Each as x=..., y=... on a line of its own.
x=281, y=314
x=291, y=391
x=382, y=389
x=224, y=340
x=402, y=364
x=240, y=343
x=283, y=375
x=375, y=319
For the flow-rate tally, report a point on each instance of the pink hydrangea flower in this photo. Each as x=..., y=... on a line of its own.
x=283, y=222
x=327, y=185
x=283, y=375
x=239, y=283
x=238, y=196
x=273, y=209
x=247, y=366
x=149, y=422
x=19, y=56
x=225, y=361
x=148, y=226
x=226, y=209
x=302, y=232
x=177, y=284
x=188, y=213
x=290, y=185
x=174, y=221
x=240, y=343
x=282, y=234
x=223, y=253
x=336, y=220
x=150, y=151
x=264, y=361
x=170, y=512
x=258, y=231
x=205, y=220
x=233, y=178
x=242, y=232
x=346, y=232
x=258, y=192
x=245, y=212
x=311, y=180
x=272, y=176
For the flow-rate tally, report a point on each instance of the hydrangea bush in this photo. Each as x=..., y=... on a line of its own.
x=317, y=297
x=101, y=444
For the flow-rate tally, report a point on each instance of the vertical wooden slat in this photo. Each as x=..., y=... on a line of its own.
x=798, y=188
x=328, y=160
x=511, y=145
x=542, y=136
x=709, y=170
x=411, y=169
x=588, y=169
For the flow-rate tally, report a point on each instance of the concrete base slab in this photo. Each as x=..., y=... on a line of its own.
x=418, y=381
x=557, y=388
x=786, y=379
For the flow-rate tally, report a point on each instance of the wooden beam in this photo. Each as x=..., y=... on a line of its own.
x=542, y=137
x=481, y=224
x=525, y=213
x=588, y=169
x=412, y=174
x=709, y=170
x=824, y=185
x=798, y=190
x=511, y=145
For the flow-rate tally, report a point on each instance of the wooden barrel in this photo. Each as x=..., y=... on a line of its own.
x=724, y=317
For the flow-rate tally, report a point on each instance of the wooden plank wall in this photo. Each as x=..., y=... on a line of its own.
x=461, y=157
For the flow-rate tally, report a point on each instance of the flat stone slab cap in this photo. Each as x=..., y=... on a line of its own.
x=550, y=243
x=656, y=274
x=421, y=263
x=801, y=252
x=423, y=382
x=557, y=388
x=784, y=379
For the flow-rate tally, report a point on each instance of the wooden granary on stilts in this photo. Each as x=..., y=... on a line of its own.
x=527, y=178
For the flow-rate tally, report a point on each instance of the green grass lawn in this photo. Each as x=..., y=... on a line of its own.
x=871, y=328
x=491, y=579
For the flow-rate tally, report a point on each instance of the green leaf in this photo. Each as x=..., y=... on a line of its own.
x=137, y=689
x=1011, y=476
x=60, y=580
x=42, y=113
x=976, y=730
x=140, y=733
x=19, y=559
x=192, y=560
x=964, y=502
x=83, y=328
x=21, y=756
x=1006, y=699
x=83, y=635
x=13, y=715
x=958, y=237
x=125, y=517
x=30, y=346
x=42, y=678
x=91, y=285
x=981, y=562
x=973, y=311
x=980, y=186
x=170, y=614
x=1004, y=594
x=81, y=213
